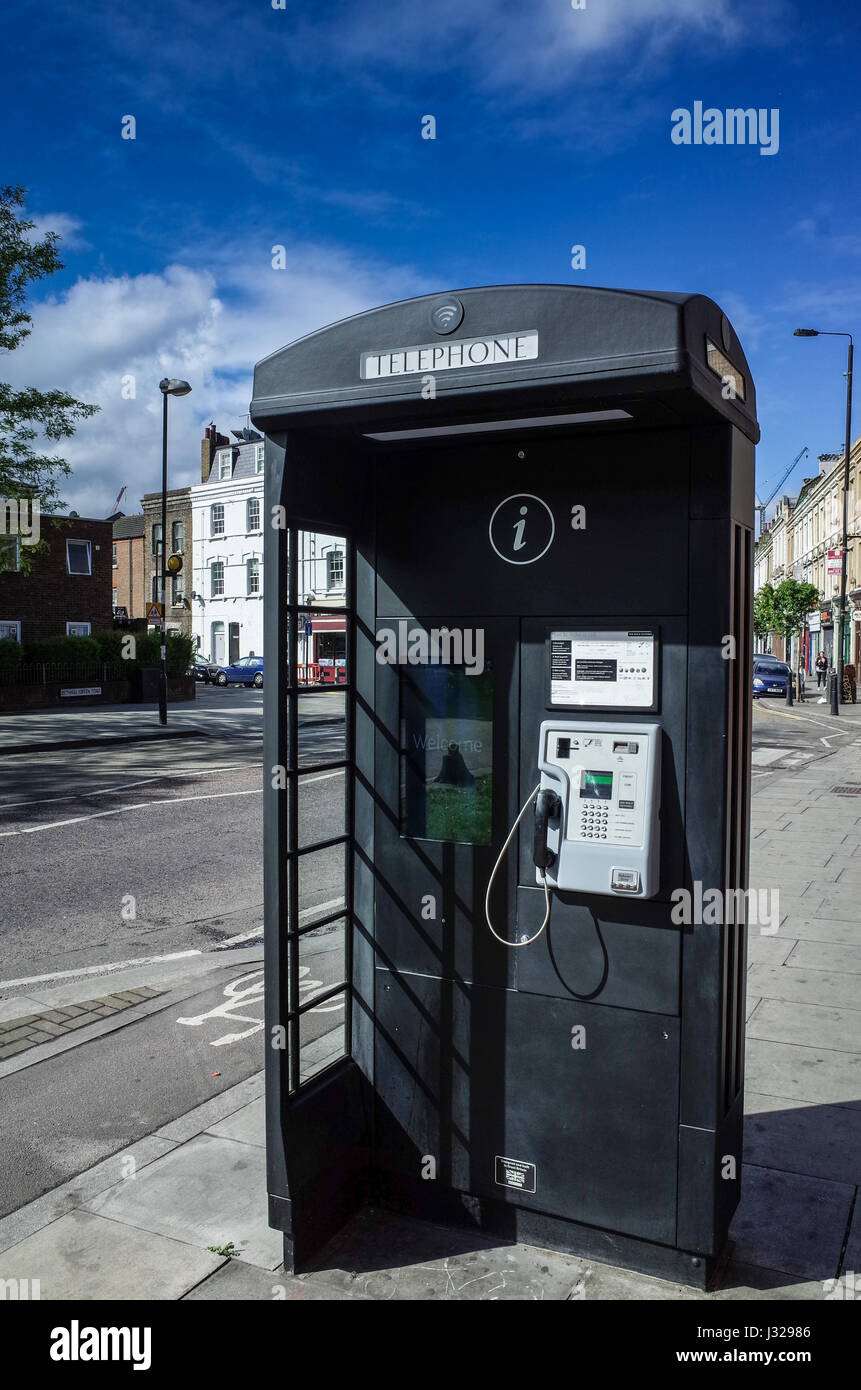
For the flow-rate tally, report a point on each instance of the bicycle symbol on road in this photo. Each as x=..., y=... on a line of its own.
x=247, y=991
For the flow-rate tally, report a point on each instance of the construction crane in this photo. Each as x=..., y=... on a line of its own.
x=761, y=506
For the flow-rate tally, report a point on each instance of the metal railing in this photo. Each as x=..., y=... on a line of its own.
x=52, y=672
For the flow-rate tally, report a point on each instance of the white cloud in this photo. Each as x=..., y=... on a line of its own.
x=67, y=227
x=208, y=323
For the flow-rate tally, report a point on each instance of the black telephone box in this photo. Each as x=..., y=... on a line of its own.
x=542, y=499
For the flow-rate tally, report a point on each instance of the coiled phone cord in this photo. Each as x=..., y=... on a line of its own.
x=515, y=944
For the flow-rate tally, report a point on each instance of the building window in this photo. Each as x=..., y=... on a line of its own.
x=78, y=629
x=114, y=555
x=10, y=630
x=10, y=553
x=177, y=537
x=216, y=519
x=253, y=572
x=217, y=573
x=258, y=458
x=335, y=569
x=225, y=464
x=252, y=514
x=156, y=538
x=79, y=557
x=177, y=589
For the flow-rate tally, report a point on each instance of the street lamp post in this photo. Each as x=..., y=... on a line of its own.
x=169, y=386
x=837, y=693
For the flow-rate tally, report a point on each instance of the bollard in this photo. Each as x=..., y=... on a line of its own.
x=832, y=685
x=789, y=688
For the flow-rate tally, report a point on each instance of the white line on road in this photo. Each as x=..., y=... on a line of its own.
x=96, y=969
x=121, y=810
x=126, y=786
x=112, y=966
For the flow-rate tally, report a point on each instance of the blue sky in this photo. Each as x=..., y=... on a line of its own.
x=301, y=127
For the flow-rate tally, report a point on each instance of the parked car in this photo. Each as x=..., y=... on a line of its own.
x=203, y=669
x=248, y=670
x=770, y=676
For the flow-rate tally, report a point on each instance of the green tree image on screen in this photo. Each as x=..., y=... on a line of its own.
x=447, y=755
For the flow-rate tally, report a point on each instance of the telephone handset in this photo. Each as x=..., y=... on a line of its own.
x=548, y=806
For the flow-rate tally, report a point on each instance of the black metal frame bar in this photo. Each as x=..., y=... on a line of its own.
x=294, y=775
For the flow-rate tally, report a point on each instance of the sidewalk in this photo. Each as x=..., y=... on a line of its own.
x=140, y=1224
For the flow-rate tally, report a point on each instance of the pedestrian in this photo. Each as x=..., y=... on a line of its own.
x=821, y=669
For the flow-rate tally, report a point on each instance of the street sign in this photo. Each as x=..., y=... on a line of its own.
x=835, y=562
x=153, y=612
x=120, y=612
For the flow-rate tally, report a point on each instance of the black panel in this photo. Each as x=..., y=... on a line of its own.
x=437, y=509
x=609, y=950
x=468, y=1074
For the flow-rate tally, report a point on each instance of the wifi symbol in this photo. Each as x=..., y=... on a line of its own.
x=447, y=316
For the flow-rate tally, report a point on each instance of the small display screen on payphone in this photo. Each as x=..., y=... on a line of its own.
x=447, y=754
x=597, y=784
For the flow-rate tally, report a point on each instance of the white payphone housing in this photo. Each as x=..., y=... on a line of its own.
x=605, y=836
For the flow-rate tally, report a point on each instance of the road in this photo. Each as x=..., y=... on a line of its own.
x=148, y=848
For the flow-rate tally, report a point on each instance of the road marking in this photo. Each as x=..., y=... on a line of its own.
x=252, y=993
x=97, y=969
x=814, y=719
x=112, y=966
x=126, y=786
x=121, y=811
x=322, y=908
x=824, y=740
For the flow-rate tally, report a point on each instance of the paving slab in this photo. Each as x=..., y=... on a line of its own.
x=838, y=931
x=82, y=1256
x=248, y=1125
x=791, y=1223
x=768, y=950
x=808, y=1025
x=824, y=955
x=54, y=1204
x=238, y=1281
x=206, y=1192
x=819, y=1140
x=829, y=988
x=381, y=1255
x=814, y=1074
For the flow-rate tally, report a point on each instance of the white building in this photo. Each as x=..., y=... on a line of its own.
x=227, y=570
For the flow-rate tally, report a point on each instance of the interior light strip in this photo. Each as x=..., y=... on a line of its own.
x=584, y=417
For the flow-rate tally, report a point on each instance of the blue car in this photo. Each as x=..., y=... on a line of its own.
x=248, y=670
x=770, y=676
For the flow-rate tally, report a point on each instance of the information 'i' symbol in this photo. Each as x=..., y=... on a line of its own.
x=521, y=528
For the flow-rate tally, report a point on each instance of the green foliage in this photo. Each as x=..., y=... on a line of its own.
x=179, y=651
x=793, y=600
x=28, y=414
x=110, y=642
x=66, y=651
x=763, y=611
x=10, y=657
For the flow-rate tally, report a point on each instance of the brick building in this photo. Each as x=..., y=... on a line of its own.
x=128, y=565
x=67, y=588
x=178, y=615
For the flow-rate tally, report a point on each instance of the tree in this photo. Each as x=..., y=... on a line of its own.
x=763, y=611
x=28, y=414
x=793, y=600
